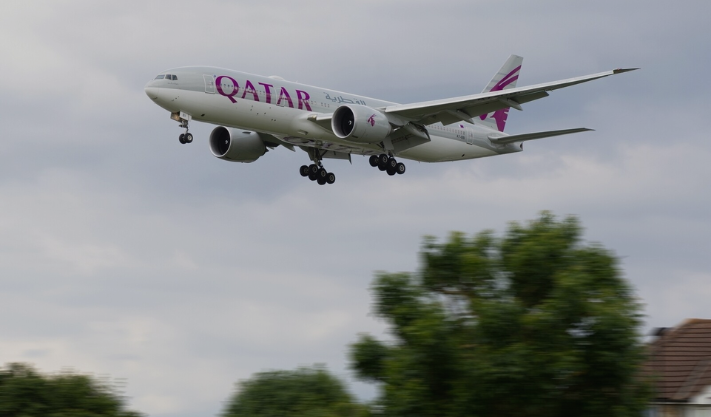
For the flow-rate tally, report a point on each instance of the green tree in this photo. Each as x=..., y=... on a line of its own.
x=26, y=393
x=305, y=392
x=535, y=323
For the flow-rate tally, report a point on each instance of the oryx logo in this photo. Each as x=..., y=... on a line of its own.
x=371, y=120
x=500, y=116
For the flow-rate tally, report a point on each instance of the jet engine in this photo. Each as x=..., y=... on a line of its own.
x=360, y=124
x=236, y=145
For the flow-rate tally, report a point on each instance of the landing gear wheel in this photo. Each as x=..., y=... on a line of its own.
x=391, y=171
x=321, y=174
x=400, y=168
x=321, y=181
x=188, y=138
x=181, y=138
x=382, y=166
x=383, y=159
x=373, y=160
x=392, y=163
x=304, y=171
x=330, y=178
x=313, y=172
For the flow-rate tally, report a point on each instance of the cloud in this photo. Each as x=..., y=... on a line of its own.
x=125, y=253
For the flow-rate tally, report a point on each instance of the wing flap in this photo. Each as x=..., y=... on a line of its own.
x=503, y=140
x=408, y=137
x=272, y=142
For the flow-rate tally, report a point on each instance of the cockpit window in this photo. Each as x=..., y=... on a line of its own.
x=160, y=77
x=175, y=78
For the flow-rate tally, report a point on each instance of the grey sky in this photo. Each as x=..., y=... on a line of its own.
x=124, y=253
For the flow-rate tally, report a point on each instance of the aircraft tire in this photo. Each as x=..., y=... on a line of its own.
x=381, y=167
x=373, y=160
x=391, y=171
x=304, y=170
x=383, y=159
x=313, y=168
x=400, y=168
x=188, y=138
x=392, y=163
x=312, y=176
x=181, y=138
x=330, y=178
x=321, y=181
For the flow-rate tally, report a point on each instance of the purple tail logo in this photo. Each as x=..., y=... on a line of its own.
x=371, y=120
x=500, y=116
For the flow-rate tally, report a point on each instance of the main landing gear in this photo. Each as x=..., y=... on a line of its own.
x=186, y=137
x=317, y=173
x=387, y=163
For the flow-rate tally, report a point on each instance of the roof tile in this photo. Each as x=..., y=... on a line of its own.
x=680, y=360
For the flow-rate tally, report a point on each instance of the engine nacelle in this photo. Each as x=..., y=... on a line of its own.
x=236, y=145
x=360, y=124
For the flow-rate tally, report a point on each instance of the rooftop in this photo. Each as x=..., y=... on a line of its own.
x=680, y=360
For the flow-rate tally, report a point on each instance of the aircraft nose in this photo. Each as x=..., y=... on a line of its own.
x=151, y=92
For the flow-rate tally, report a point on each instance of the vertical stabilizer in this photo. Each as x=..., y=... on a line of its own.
x=505, y=78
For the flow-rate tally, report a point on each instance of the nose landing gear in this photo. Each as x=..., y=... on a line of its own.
x=186, y=137
x=184, y=119
x=387, y=163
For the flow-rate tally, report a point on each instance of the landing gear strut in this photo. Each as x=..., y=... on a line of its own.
x=316, y=171
x=387, y=163
x=184, y=119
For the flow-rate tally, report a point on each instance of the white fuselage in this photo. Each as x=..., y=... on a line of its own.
x=281, y=108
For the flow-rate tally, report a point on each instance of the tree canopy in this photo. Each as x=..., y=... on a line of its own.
x=305, y=392
x=24, y=392
x=534, y=323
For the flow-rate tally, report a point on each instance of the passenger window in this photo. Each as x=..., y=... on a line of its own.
x=160, y=77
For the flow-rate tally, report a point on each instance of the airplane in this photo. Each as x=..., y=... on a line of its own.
x=255, y=113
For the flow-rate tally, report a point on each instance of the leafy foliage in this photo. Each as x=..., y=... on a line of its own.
x=532, y=324
x=26, y=393
x=305, y=392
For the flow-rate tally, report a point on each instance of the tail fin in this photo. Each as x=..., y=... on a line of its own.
x=505, y=78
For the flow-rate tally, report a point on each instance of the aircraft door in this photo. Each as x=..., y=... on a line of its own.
x=469, y=136
x=209, y=84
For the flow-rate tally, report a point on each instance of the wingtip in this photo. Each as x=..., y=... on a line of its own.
x=621, y=70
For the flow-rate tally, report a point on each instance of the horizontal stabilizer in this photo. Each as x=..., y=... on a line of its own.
x=503, y=140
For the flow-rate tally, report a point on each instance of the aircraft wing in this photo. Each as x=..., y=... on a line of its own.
x=505, y=139
x=466, y=108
